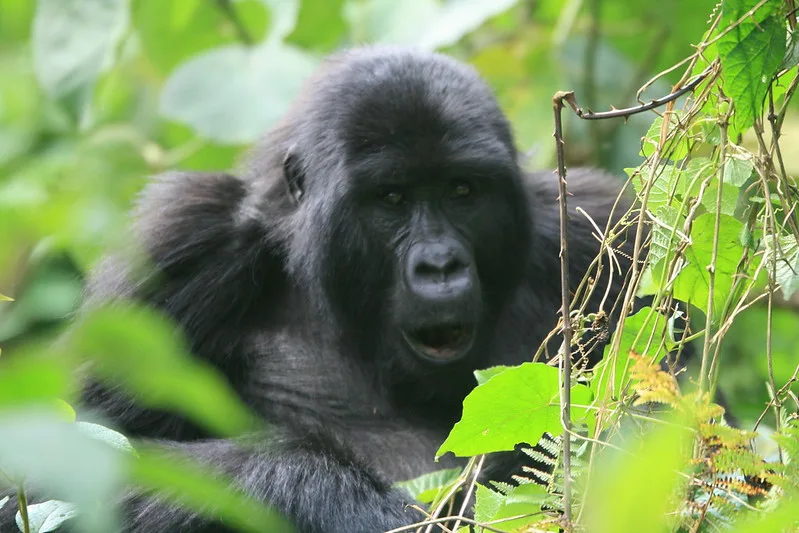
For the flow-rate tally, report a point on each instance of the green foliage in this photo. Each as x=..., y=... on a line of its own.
x=516, y=405
x=750, y=53
x=96, y=95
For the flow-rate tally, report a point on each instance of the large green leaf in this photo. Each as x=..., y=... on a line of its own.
x=74, y=40
x=515, y=406
x=232, y=94
x=750, y=55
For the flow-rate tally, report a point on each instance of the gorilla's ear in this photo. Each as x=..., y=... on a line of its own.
x=293, y=175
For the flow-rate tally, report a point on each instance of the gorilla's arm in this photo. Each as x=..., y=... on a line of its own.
x=309, y=479
x=214, y=271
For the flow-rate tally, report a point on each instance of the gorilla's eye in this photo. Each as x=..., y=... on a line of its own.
x=392, y=197
x=461, y=189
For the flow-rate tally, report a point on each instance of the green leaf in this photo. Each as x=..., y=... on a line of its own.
x=645, y=333
x=664, y=184
x=513, y=407
x=109, y=436
x=488, y=373
x=232, y=94
x=74, y=41
x=28, y=379
x=787, y=257
x=693, y=282
x=47, y=516
x=181, y=480
x=320, y=25
x=784, y=518
x=52, y=454
x=665, y=234
x=140, y=351
x=522, y=500
x=750, y=55
x=171, y=32
x=737, y=170
x=426, y=488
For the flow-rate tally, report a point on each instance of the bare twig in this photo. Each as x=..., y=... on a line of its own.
x=565, y=358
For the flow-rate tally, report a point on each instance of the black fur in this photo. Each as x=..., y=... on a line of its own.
x=297, y=280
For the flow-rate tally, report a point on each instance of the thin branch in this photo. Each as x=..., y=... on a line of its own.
x=566, y=356
x=587, y=114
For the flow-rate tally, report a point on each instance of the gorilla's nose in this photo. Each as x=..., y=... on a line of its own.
x=439, y=270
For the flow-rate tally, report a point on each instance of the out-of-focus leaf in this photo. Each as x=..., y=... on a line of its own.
x=516, y=406
x=320, y=25
x=233, y=94
x=140, y=351
x=55, y=456
x=282, y=18
x=74, y=41
x=629, y=491
x=25, y=379
x=209, y=494
x=47, y=516
x=109, y=436
x=750, y=55
x=427, y=24
x=171, y=32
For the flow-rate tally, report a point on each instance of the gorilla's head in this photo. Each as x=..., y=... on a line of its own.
x=408, y=219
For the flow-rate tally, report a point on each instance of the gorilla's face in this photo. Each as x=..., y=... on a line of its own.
x=425, y=221
x=442, y=224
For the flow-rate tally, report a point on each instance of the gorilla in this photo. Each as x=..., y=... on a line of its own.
x=378, y=245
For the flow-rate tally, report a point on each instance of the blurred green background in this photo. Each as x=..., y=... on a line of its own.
x=97, y=95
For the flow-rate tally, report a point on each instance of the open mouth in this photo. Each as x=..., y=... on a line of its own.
x=441, y=343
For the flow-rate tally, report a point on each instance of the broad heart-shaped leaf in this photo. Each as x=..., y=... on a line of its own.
x=232, y=94
x=693, y=282
x=427, y=24
x=74, y=40
x=750, y=55
x=515, y=406
x=47, y=516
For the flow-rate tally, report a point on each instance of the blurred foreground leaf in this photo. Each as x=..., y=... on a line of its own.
x=47, y=516
x=141, y=352
x=232, y=94
x=177, y=478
